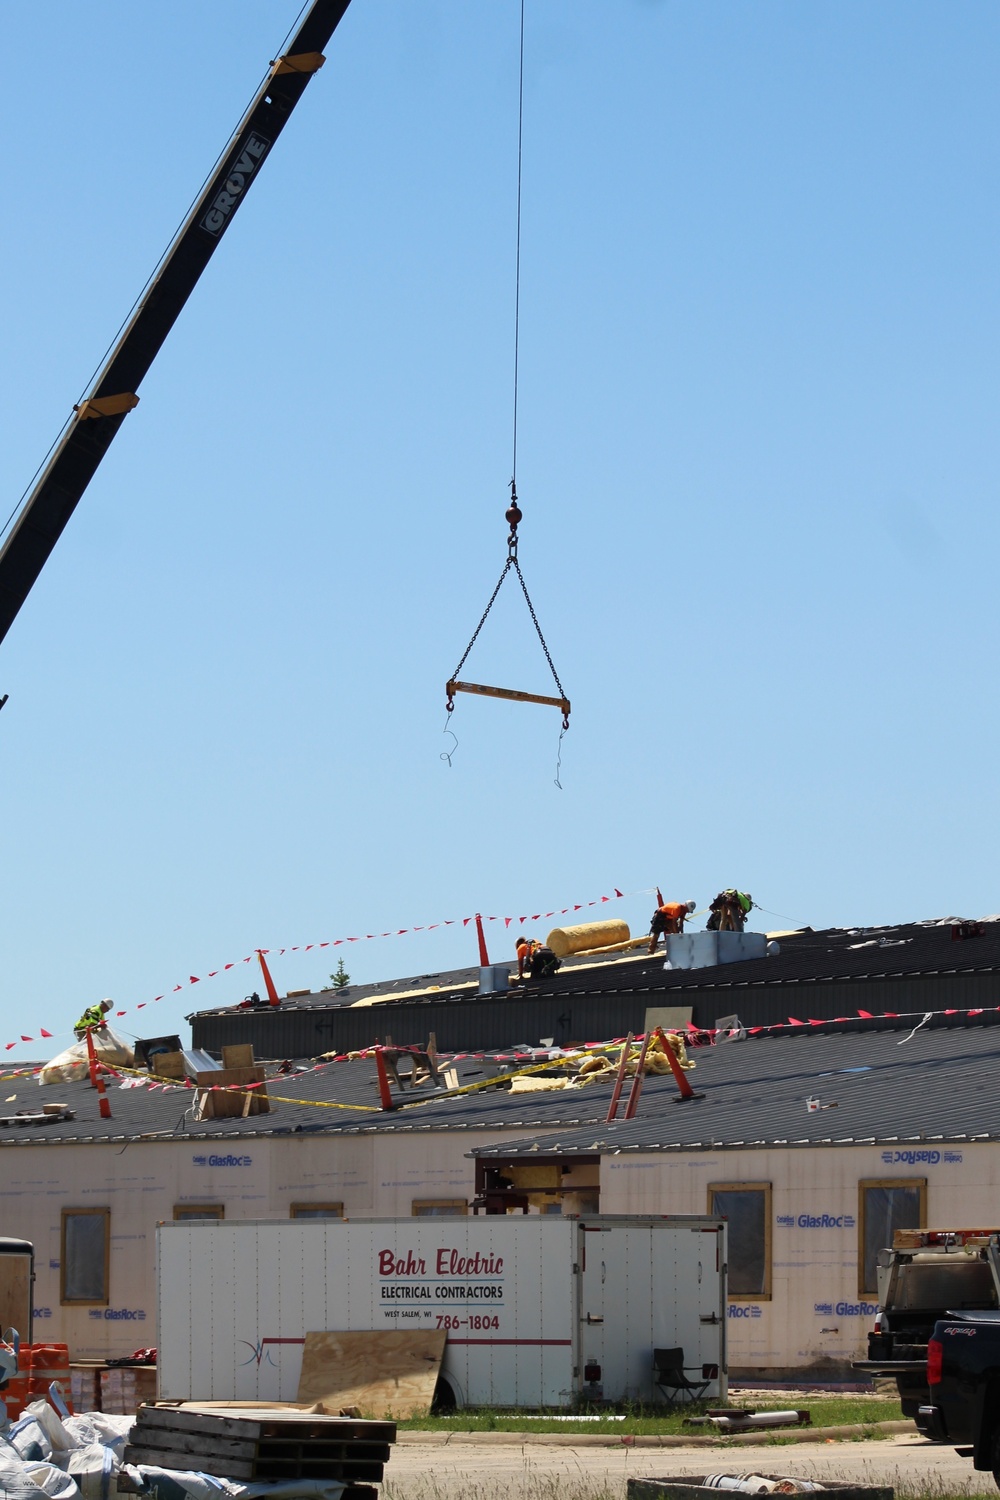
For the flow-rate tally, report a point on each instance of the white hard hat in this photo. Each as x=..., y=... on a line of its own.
x=691, y=905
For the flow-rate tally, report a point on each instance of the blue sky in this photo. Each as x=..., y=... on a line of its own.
x=757, y=460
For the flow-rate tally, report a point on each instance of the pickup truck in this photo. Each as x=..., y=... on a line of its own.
x=963, y=1379
x=927, y=1274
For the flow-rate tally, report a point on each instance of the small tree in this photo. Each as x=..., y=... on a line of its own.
x=340, y=979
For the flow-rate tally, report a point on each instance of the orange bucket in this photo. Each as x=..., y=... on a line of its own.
x=15, y=1396
x=45, y=1363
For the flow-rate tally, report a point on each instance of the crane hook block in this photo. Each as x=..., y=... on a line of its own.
x=451, y=688
x=298, y=62
x=106, y=406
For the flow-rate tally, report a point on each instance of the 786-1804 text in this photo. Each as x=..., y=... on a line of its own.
x=476, y=1320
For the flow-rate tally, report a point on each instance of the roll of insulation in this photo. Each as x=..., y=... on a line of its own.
x=567, y=940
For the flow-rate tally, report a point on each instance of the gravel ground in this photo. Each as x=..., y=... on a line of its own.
x=539, y=1470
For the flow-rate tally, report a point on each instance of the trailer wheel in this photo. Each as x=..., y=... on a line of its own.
x=445, y=1400
x=995, y=1457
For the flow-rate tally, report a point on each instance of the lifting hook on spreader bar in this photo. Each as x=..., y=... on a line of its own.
x=451, y=688
x=3, y=700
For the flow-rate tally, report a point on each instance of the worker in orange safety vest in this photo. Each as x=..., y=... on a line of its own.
x=533, y=956
x=669, y=917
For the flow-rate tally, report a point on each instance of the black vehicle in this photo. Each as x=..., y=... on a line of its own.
x=927, y=1274
x=963, y=1378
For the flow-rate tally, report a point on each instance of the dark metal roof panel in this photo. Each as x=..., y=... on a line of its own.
x=942, y=1083
x=817, y=974
x=917, y=1090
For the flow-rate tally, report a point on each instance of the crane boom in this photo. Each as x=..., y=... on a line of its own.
x=97, y=419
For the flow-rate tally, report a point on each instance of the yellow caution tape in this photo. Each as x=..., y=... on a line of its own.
x=467, y=1088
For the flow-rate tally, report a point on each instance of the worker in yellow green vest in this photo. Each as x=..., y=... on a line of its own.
x=92, y=1019
x=729, y=911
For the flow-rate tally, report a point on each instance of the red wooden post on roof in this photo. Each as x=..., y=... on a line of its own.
x=96, y=1081
x=484, y=958
x=385, y=1093
x=272, y=993
x=687, y=1092
x=91, y=1057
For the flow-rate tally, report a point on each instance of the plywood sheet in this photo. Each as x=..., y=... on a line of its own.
x=238, y=1055
x=15, y=1293
x=385, y=1372
x=670, y=1017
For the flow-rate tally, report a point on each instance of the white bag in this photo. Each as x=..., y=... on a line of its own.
x=52, y=1481
x=29, y=1438
x=95, y=1469
x=72, y=1065
x=99, y=1427
x=17, y=1481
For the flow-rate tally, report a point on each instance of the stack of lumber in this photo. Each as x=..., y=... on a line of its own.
x=49, y=1114
x=260, y=1443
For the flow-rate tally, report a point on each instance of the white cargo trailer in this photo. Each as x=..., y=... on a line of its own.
x=539, y=1310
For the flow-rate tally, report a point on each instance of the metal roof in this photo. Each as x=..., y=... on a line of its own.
x=333, y=1097
x=826, y=974
x=887, y=1083
x=942, y=1083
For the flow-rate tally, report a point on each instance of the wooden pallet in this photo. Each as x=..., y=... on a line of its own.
x=25, y=1117
x=262, y=1445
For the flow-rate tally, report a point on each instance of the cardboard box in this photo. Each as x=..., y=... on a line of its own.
x=124, y=1390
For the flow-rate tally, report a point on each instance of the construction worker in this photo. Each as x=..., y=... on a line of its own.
x=670, y=917
x=533, y=956
x=92, y=1019
x=729, y=911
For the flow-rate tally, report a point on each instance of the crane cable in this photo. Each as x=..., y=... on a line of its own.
x=513, y=514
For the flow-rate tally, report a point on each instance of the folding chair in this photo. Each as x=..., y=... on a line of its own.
x=670, y=1377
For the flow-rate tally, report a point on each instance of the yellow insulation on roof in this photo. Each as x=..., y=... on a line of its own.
x=580, y=939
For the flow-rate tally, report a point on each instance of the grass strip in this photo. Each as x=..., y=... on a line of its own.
x=826, y=1411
